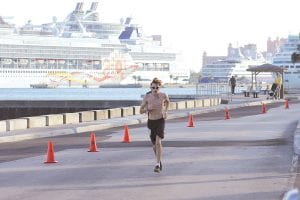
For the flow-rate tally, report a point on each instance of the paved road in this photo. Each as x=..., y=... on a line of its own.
x=249, y=156
x=28, y=148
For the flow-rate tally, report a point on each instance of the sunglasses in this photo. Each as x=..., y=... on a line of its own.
x=154, y=88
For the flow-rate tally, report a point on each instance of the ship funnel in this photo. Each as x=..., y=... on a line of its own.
x=2, y=21
x=128, y=20
x=79, y=7
x=94, y=6
x=92, y=13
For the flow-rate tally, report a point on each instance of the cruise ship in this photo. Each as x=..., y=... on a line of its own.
x=284, y=59
x=81, y=51
x=236, y=63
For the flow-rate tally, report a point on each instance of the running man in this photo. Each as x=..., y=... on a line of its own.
x=156, y=104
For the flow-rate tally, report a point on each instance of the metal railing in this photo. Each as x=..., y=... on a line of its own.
x=220, y=90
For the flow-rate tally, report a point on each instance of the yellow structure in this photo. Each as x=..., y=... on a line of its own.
x=278, y=79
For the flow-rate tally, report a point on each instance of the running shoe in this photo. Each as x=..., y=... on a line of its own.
x=157, y=169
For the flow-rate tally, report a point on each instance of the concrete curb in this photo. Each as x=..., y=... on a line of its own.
x=297, y=139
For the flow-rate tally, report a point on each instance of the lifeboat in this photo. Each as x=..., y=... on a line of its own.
x=6, y=61
x=61, y=62
x=23, y=61
x=89, y=62
x=40, y=61
x=96, y=62
x=51, y=61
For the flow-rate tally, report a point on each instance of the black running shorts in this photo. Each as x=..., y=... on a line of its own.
x=157, y=128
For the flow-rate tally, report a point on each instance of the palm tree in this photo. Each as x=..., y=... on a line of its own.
x=139, y=78
x=176, y=79
x=135, y=77
x=171, y=77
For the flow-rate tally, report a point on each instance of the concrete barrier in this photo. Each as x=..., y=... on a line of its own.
x=198, y=103
x=190, y=104
x=16, y=124
x=114, y=112
x=86, y=116
x=100, y=114
x=206, y=102
x=297, y=139
x=36, y=122
x=217, y=101
x=127, y=111
x=136, y=110
x=71, y=118
x=172, y=106
x=3, y=126
x=214, y=102
x=180, y=105
x=52, y=120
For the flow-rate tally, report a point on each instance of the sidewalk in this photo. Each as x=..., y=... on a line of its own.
x=18, y=135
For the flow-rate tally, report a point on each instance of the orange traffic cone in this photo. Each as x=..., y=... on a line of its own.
x=126, y=137
x=287, y=104
x=191, y=121
x=227, y=115
x=93, y=143
x=50, y=154
x=263, y=108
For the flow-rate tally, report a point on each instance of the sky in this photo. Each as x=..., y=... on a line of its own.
x=189, y=26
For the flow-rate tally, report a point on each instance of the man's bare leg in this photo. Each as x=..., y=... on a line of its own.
x=158, y=152
x=158, y=149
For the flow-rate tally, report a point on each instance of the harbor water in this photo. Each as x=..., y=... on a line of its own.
x=86, y=93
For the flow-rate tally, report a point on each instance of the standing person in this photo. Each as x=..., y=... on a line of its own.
x=232, y=83
x=156, y=104
x=278, y=83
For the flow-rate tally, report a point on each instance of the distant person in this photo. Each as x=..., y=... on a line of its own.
x=278, y=79
x=232, y=83
x=156, y=104
x=276, y=87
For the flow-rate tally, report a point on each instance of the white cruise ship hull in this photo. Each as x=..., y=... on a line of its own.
x=78, y=62
x=77, y=78
x=81, y=51
x=283, y=59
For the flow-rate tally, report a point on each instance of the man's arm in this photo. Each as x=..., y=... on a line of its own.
x=166, y=105
x=167, y=102
x=143, y=106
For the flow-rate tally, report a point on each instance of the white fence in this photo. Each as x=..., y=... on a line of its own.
x=221, y=90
